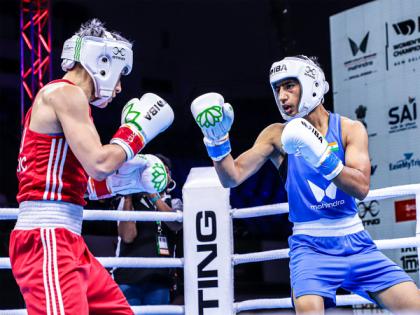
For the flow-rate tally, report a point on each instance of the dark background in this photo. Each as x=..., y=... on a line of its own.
x=181, y=50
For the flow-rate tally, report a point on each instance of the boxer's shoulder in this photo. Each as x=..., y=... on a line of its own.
x=271, y=133
x=62, y=94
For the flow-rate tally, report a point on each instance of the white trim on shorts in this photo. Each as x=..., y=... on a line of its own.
x=329, y=227
x=50, y=214
x=50, y=273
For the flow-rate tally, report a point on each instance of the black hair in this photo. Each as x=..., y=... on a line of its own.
x=96, y=28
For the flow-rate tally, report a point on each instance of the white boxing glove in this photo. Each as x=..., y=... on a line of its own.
x=144, y=173
x=215, y=118
x=142, y=120
x=300, y=137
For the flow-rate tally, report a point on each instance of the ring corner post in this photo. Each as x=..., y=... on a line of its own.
x=208, y=272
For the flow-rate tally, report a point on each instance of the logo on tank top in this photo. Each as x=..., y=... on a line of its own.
x=21, y=164
x=320, y=194
x=313, y=130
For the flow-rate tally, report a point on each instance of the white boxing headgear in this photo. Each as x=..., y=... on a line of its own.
x=104, y=58
x=310, y=77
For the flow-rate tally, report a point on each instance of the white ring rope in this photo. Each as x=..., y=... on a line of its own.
x=159, y=309
x=281, y=208
x=146, y=309
x=252, y=212
x=284, y=253
x=342, y=300
x=393, y=191
x=141, y=262
x=110, y=215
x=125, y=262
x=238, y=259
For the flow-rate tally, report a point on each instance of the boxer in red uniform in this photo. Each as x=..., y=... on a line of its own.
x=60, y=148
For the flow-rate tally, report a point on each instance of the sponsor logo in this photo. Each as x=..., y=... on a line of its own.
x=406, y=27
x=209, y=117
x=313, y=130
x=131, y=137
x=373, y=168
x=368, y=212
x=131, y=115
x=321, y=194
x=310, y=72
x=21, y=164
x=362, y=47
x=159, y=177
x=118, y=51
x=206, y=232
x=278, y=68
x=409, y=259
x=407, y=51
x=155, y=109
x=407, y=163
x=405, y=210
x=403, y=117
x=361, y=116
x=362, y=63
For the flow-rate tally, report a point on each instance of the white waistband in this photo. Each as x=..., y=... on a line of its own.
x=329, y=227
x=50, y=214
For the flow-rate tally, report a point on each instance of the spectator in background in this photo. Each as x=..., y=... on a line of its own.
x=148, y=239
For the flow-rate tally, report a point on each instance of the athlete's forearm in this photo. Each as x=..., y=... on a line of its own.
x=228, y=172
x=127, y=230
x=105, y=160
x=354, y=182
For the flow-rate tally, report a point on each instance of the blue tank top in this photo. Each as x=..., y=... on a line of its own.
x=311, y=196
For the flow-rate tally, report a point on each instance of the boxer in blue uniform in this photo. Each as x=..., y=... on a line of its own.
x=328, y=166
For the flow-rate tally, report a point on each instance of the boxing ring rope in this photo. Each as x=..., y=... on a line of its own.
x=198, y=226
x=108, y=215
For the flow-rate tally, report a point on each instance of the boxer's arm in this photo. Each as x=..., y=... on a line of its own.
x=72, y=109
x=161, y=205
x=267, y=146
x=354, y=179
x=127, y=230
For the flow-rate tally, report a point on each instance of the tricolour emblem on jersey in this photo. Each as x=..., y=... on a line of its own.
x=333, y=146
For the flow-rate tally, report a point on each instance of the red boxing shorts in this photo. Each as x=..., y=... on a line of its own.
x=57, y=274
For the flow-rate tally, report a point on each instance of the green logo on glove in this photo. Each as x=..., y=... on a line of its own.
x=131, y=116
x=160, y=178
x=210, y=116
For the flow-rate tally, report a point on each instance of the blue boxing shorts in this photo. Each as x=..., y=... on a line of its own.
x=320, y=265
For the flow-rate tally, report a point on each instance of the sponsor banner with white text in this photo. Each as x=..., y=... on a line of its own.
x=376, y=80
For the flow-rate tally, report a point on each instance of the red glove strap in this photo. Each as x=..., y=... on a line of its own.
x=100, y=188
x=129, y=139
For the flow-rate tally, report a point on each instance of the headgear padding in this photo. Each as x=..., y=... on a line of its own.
x=105, y=59
x=310, y=77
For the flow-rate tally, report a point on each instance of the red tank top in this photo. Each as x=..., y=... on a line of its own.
x=47, y=168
